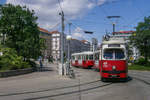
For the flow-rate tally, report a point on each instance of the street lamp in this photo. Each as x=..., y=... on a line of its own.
x=88, y=32
x=68, y=39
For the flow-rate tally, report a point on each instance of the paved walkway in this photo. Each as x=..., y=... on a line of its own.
x=48, y=85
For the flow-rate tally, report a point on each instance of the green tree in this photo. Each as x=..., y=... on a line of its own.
x=20, y=31
x=141, y=39
x=10, y=60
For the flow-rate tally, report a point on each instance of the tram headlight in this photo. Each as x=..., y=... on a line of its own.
x=114, y=67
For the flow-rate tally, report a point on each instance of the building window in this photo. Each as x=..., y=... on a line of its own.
x=53, y=47
x=57, y=39
x=58, y=44
x=53, y=34
x=57, y=34
x=53, y=43
x=54, y=39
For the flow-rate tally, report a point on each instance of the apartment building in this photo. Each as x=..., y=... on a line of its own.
x=56, y=45
x=77, y=46
x=46, y=35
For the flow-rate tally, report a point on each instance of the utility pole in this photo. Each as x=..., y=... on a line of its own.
x=113, y=27
x=94, y=44
x=62, y=41
x=69, y=45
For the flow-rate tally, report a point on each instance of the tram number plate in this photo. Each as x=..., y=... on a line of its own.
x=113, y=75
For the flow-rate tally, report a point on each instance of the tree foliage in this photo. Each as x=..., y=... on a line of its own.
x=10, y=60
x=141, y=39
x=20, y=31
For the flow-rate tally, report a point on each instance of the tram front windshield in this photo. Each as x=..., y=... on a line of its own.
x=113, y=54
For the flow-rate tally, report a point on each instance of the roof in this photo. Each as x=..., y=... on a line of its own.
x=83, y=53
x=114, y=41
x=54, y=32
x=84, y=41
x=124, y=32
x=75, y=39
x=44, y=30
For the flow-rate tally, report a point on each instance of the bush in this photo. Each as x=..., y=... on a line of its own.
x=11, y=61
x=141, y=61
x=32, y=63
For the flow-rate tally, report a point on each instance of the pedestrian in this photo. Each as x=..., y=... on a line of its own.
x=40, y=62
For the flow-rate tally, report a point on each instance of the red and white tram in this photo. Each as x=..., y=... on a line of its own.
x=83, y=59
x=97, y=58
x=113, y=59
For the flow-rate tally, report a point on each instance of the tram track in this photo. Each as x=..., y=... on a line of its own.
x=52, y=89
x=69, y=93
x=142, y=80
x=140, y=75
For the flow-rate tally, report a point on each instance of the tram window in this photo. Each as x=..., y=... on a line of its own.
x=96, y=56
x=79, y=57
x=119, y=54
x=82, y=57
x=91, y=57
x=73, y=58
x=86, y=57
x=108, y=54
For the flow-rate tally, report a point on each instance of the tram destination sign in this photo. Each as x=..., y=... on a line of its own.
x=113, y=45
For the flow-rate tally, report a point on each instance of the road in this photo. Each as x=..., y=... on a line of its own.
x=48, y=85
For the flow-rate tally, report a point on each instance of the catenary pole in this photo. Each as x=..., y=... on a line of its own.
x=62, y=41
x=69, y=45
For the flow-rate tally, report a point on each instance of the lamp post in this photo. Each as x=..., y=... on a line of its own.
x=68, y=39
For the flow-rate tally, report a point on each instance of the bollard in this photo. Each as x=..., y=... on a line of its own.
x=60, y=69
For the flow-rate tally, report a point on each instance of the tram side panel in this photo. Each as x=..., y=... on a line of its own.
x=84, y=60
x=74, y=61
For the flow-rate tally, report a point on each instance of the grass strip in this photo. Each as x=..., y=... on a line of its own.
x=139, y=67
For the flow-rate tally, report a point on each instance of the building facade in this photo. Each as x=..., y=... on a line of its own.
x=77, y=46
x=56, y=45
x=123, y=34
x=46, y=35
x=126, y=35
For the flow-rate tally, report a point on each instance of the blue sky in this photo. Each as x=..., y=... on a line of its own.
x=131, y=12
x=95, y=19
x=2, y=1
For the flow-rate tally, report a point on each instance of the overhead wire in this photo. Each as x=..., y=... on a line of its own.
x=60, y=5
x=135, y=20
x=56, y=25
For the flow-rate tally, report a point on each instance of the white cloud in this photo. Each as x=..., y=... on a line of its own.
x=48, y=10
x=77, y=35
x=100, y=2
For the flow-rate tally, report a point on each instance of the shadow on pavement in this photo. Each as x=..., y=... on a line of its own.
x=44, y=69
x=119, y=80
